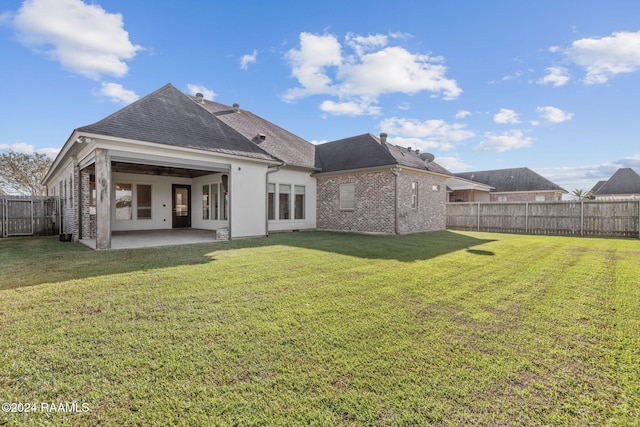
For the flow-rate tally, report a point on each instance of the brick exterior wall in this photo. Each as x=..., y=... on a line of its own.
x=375, y=203
x=88, y=220
x=529, y=196
x=430, y=213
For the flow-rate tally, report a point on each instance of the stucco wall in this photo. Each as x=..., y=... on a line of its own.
x=295, y=177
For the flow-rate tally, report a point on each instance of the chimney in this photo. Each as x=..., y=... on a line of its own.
x=383, y=138
x=199, y=97
x=236, y=107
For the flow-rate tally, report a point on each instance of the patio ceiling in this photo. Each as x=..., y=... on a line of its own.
x=157, y=170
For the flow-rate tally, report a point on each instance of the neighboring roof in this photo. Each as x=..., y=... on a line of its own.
x=512, y=180
x=624, y=181
x=597, y=187
x=366, y=151
x=167, y=116
x=282, y=144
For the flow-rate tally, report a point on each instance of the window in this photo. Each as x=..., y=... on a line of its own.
x=284, y=193
x=124, y=198
x=414, y=195
x=540, y=198
x=347, y=196
x=206, y=208
x=271, y=201
x=143, y=200
x=224, y=203
x=298, y=209
x=215, y=199
x=502, y=198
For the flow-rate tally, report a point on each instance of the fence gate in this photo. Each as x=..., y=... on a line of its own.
x=26, y=216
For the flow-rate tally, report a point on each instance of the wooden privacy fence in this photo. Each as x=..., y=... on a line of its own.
x=29, y=215
x=589, y=218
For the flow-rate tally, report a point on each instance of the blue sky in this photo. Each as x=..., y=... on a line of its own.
x=551, y=85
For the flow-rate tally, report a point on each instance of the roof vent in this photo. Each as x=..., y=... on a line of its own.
x=199, y=97
x=236, y=107
x=262, y=136
x=383, y=138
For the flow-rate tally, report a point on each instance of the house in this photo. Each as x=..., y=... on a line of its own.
x=170, y=160
x=623, y=185
x=382, y=188
x=508, y=185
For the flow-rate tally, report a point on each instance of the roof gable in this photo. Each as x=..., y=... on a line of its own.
x=167, y=116
x=624, y=181
x=512, y=180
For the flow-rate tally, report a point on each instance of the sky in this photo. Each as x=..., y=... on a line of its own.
x=552, y=85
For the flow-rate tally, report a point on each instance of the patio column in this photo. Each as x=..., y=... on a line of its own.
x=103, y=198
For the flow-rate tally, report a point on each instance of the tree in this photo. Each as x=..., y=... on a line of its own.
x=581, y=194
x=23, y=173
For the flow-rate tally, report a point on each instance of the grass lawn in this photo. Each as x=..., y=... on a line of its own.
x=446, y=328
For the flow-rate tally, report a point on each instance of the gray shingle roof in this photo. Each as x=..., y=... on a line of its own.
x=516, y=179
x=282, y=144
x=167, y=116
x=624, y=181
x=366, y=151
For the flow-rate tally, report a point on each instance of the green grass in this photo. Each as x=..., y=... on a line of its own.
x=445, y=328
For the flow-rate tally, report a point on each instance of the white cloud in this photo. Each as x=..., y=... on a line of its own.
x=248, y=59
x=83, y=38
x=605, y=57
x=506, y=116
x=208, y=93
x=369, y=69
x=453, y=163
x=425, y=134
x=504, y=142
x=309, y=63
x=556, y=76
x=554, y=115
x=349, y=108
x=23, y=147
x=461, y=114
x=117, y=93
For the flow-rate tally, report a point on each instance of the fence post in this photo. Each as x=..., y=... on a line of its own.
x=526, y=217
x=478, y=216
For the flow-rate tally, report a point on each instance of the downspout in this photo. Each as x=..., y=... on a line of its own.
x=396, y=172
x=266, y=196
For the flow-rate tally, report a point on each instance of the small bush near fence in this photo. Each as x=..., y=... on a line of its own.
x=589, y=218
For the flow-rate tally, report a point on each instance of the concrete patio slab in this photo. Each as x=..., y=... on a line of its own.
x=152, y=238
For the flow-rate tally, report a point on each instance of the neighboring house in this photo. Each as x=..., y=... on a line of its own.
x=369, y=185
x=511, y=185
x=623, y=185
x=170, y=160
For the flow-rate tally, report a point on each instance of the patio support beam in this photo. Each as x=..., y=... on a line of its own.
x=103, y=199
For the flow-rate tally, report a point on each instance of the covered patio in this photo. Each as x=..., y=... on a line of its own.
x=154, y=238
